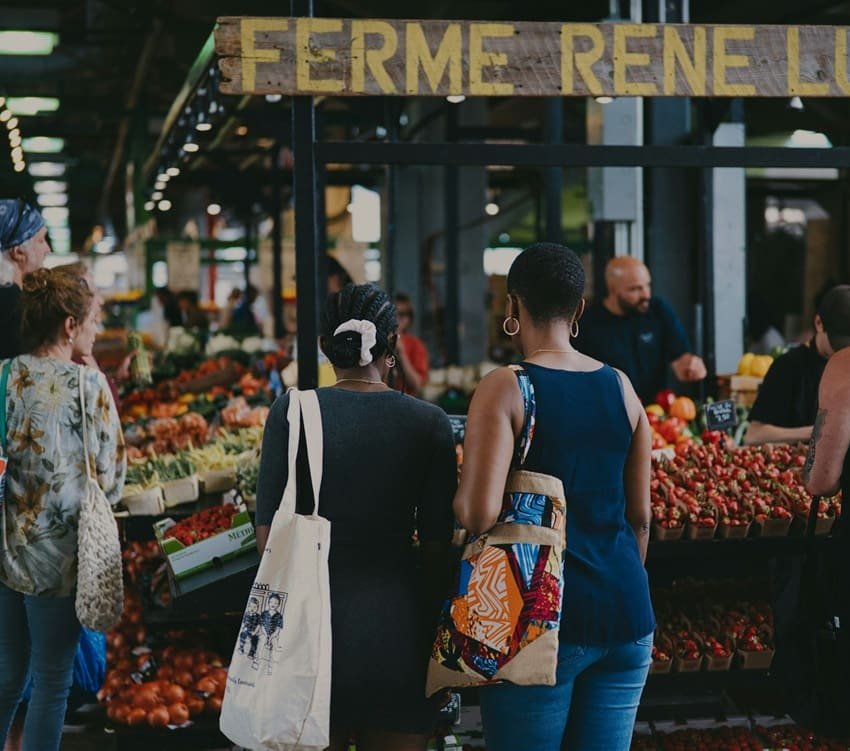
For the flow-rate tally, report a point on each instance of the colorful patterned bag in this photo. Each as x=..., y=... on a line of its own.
x=502, y=623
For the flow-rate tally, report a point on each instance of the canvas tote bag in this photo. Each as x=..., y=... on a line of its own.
x=279, y=681
x=501, y=622
x=100, y=582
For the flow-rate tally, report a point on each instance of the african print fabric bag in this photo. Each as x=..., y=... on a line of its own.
x=4, y=379
x=501, y=624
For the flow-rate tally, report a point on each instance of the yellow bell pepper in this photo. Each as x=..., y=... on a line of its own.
x=745, y=364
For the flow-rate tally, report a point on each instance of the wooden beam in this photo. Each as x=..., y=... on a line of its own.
x=357, y=57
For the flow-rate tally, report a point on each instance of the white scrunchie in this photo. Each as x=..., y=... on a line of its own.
x=368, y=337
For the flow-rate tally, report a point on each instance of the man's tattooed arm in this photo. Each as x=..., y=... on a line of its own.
x=817, y=432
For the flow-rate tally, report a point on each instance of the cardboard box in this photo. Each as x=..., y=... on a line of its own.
x=185, y=561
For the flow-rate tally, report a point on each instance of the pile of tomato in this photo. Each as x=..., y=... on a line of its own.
x=203, y=525
x=164, y=687
x=710, y=739
x=795, y=738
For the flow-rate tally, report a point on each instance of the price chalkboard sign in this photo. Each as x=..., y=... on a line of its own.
x=721, y=415
x=458, y=427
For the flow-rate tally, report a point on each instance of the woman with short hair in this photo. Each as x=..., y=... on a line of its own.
x=47, y=473
x=591, y=433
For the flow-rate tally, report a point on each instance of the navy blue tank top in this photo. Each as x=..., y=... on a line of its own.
x=583, y=436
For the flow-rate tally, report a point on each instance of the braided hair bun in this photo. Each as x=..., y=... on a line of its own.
x=363, y=302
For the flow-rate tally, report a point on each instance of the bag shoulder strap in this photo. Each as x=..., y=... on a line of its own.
x=303, y=405
x=84, y=420
x=4, y=380
x=293, y=420
x=523, y=444
x=313, y=435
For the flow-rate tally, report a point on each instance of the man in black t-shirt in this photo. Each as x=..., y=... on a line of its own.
x=636, y=332
x=786, y=405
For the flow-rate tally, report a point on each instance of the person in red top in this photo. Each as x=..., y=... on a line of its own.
x=410, y=350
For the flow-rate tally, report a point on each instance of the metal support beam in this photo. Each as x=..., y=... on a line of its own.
x=306, y=245
x=553, y=177
x=577, y=155
x=705, y=267
x=277, y=246
x=451, y=318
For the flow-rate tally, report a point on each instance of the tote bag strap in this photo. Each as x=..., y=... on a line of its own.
x=523, y=443
x=82, y=375
x=4, y=380
x=293, y=419
x=315, y=442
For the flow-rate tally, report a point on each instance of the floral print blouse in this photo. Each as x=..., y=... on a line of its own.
x=46, y=474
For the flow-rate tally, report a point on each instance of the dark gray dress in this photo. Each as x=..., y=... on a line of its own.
x=389, y=471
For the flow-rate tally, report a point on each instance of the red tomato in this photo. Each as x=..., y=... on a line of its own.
x=146, y=699
x=136, y=716
x=206, y=686
x=195, y=704
x=184, y=678
x=178, y=714
x=173, y=694
x=158, y=717
x=214, y=705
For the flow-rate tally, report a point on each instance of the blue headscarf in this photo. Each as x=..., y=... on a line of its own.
x=19, y=222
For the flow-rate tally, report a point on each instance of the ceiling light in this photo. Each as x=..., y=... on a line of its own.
x=604, y=99
x=15, y=133
x=214, y=209
x=5, y=115
x=795, y=103
x=273, y=98
x=44, y=145
x=55, y=215
x=190, y=147
x=32, y=105
x=27, y=42
x=14, y=141
x=12, y=124
x=50, y=186
x=172, y=172
x=157, y=196
x=47, y=169
x=2, y=101
x=164, y=205
x=53, y=199
x=456, y=99
x=491, y=209
x=242, y=130
x=160, y=185
x=162, y=177
x=150, y=205
x=203, y=127
x=20, y=166
x=17, y=153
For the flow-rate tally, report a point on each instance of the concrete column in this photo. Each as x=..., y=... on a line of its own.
x=730, y=260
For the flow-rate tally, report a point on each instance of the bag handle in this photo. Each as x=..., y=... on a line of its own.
x=4, y=379
x=526, y=388
x=304, y=405
x=312, y=416
x=82, y=378
x=293, y=419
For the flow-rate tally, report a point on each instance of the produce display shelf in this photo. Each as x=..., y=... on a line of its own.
x=759, y=548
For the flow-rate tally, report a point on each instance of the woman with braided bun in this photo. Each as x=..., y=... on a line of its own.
x=389, y=472
x=46, y=478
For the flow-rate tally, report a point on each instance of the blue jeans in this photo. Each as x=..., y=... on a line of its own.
x=592, y=707
x=37, y=634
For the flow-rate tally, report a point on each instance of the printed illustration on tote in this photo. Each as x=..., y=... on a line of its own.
x=261, y=627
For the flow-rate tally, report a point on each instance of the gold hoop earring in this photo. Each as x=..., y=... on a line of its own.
x=390, y=361
x=574, y=329
x=505, y=326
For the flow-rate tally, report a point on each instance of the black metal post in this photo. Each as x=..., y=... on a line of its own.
x=391, y=116
x=706, y=270
x=306, y=245
x=277, y=245
x=451, y=320
x=553, y=177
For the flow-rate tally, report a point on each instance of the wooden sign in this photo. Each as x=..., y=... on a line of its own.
x=357, y=57
x=184, y=266
x=721, y=415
